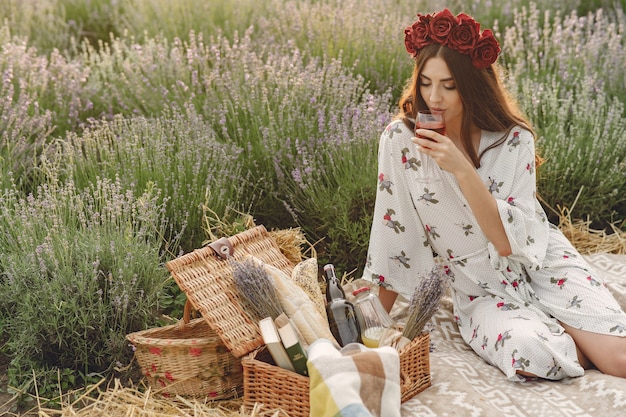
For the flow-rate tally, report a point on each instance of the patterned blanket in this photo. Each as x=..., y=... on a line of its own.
x=463, y=385
x=353, y=382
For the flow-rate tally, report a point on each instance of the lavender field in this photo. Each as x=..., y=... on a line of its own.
x=132, y=131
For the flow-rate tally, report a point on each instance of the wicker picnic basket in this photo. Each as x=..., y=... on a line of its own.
x=205, y=275
x=278, y=388
x=187, y=359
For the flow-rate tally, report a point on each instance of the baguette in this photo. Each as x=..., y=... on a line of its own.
x=299, y=307
x=305, y=277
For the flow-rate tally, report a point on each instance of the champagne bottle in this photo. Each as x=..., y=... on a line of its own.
x=341, y=313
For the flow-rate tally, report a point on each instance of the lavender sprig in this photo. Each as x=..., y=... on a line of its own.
x=425, y=301
x=257, y=288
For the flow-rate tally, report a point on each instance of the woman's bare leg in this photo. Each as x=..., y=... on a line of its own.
x=607, y=353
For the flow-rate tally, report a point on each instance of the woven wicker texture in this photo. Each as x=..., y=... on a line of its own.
x=415, y=367
x=274, y=387
x=277, y=388
x=187, y=359
x=207, y=280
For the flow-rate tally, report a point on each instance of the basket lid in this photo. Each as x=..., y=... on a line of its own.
x=206, y=277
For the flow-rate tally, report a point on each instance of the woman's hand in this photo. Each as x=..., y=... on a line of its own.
x=443, y=151
x=452, y=159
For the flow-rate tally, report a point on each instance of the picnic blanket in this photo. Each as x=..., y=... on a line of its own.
x=464, y=385
x=355, y=381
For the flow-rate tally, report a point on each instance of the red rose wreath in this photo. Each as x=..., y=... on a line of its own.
x=461, y=33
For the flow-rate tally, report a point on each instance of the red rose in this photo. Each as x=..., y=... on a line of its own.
x=441, y=25
x=464, y=36
x=485, y=51
x=408, y=41
x=417, y=35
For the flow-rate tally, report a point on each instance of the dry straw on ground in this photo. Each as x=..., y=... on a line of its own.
x=588, y=240
x=584, y=238
x=123, y=401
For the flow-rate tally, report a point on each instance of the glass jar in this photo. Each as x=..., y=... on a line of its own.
x=374, y=320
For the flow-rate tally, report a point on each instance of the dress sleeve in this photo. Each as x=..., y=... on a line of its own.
x=399, y=253
x=524, y=219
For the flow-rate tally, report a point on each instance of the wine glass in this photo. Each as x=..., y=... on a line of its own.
x=431, y=121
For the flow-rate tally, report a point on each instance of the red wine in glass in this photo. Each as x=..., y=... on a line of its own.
x=431, y=121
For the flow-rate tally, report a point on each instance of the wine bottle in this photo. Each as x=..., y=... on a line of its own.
x=341, y=313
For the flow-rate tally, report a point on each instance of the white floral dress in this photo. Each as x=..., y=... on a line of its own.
x=506, y=307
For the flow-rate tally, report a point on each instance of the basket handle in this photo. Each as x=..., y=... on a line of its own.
x=187, y=312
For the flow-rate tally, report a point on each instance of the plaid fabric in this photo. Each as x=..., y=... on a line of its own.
x=355, y=381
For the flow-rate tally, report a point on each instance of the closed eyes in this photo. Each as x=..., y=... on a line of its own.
x=447, y=87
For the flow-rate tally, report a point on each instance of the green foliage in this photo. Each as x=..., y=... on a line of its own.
x=80, y=270
x=339, y=217
x=40, y=95
x=144, y=20
x=330, y=184
x=174, y=301
x=557, y=71
x=60, y=24
x=39, y=21
x=24, y=126
x=364, y=34
x=584, y=153
x=178, y=153
x=591, y=6
x=93, y=20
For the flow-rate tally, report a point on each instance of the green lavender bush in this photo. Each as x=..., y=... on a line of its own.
x=177, y=153
x=328, y=183
x=80, y=270
x=278, y=99
x=24, y=125
x=123, y=123
x=558, y=71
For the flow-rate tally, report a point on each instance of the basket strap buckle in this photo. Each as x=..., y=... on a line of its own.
x=223, y=247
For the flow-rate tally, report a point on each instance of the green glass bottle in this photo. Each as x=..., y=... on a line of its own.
x=341, y=314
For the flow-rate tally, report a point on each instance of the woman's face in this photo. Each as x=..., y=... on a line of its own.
x=439, y=91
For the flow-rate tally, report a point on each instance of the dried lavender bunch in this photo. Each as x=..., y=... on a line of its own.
x=257, y=288
x=425, y=301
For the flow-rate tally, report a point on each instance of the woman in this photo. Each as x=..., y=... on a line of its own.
x=524, y=298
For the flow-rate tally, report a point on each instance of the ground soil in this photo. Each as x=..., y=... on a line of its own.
x=8, y=401
x=5, y=397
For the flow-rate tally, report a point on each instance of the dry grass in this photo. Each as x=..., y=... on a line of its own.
x=119, y=400
x=587, y=240
x=291, y=243
x=584, y=238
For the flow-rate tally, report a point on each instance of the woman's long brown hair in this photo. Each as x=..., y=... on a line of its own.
x=486, y=104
